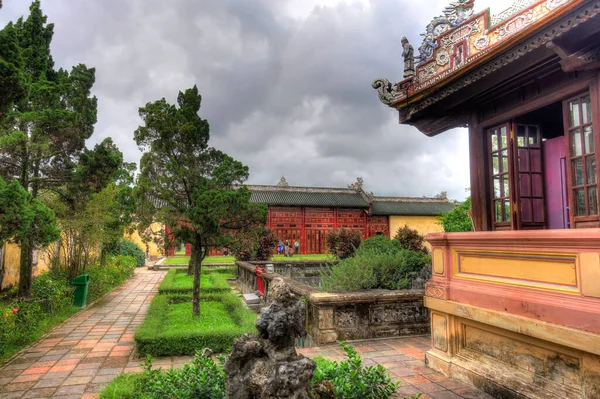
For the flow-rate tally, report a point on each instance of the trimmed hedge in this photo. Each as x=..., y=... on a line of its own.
x=211, y=281
x=170, y=329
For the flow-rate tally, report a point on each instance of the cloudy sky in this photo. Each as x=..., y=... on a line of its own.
x=286, y=84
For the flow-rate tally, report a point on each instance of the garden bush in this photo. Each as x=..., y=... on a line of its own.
x=255, y=245
x=410, y=239
x=353, y=381
x=170, y=329
x=177, y=281
x=116, y=270
x=204, y=378
x=458, y=219
x=379, y=244
x=125, y=247
x=342, y=243
x=372, y=269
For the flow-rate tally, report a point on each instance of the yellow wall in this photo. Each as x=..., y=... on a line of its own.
x=154, y=249
x=423, y=224
x=12, y=258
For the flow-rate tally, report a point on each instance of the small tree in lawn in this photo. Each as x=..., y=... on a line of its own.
x=200, y=189
x=343, y=242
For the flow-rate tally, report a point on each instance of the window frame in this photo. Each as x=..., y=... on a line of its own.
x=568, y=132
x=505, y=224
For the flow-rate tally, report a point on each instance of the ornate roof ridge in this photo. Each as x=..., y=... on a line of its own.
x=411, y=199
x=338, y=190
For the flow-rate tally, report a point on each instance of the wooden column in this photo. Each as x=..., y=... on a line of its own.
x=303, y=242
x=479, y=178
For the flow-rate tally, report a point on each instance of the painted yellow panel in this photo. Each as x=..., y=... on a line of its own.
x=154, y=249
x=552, y=271
x=438, y=261
x=590, y=274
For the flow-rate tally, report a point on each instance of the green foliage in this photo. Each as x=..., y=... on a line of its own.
x=410, y=239
x=23, y=320
x=258, y=244
x=343, y=242
x=457, y=220
x=114, y=272
x=129, y=248
x=375, y=267
x=200, y=188
x=352, y=380
x=380, y=245
x=170, y=329
x=212, y=281
x=203, y=378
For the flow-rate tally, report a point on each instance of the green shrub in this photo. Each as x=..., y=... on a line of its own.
x=457, y=220
x=379, y=244
x=410, y=239
x=170, y=329
x=204, y=378
x=371, y=269
x=254, y=245
x=177, y=281
x=53, y=294
x=351, y=380
x=343, y=242
x=125, y=247
x=104, y=278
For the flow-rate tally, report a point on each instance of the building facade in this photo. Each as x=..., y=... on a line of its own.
x=307, y=214
x=515, y=306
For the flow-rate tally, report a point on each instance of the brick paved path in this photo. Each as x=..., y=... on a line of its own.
x=87, y=351
x=84, y=353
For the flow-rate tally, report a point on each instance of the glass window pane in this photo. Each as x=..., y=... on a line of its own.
x=521, y=136
x=533, y=136
x=578, y=172
x=494, y=138
x=591, y=169
x=507, y=210
x=580, y=202
x=574, y=119
x=588, y=134
x=505, y=186
x=576, y=143
x=504, y=137
x=497, y=193
x=504, y=161
x=593, y=200
x=498, y=210
x=495, y=164
x=586, y=108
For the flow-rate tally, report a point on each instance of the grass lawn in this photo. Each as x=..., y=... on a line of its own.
x=170, y=329
x=184, y=260
x=211, y=281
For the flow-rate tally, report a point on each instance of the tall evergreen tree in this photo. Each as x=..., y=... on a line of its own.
x=42, y=131
x=199, y=188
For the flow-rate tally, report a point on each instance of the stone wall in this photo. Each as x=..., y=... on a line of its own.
x=350, y=315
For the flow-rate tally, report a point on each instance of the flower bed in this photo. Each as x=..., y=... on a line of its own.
x=170, y=329
x=177, y=281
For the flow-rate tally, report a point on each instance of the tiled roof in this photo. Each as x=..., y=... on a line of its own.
x=347, y=198
x=410, y=206
x=307, y=196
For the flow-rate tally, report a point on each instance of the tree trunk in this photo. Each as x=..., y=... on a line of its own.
x=197, y=263
x=26, y=269
x=193, y=256
x=2, y=270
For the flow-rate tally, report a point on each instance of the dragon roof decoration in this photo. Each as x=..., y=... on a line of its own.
x=459, y=38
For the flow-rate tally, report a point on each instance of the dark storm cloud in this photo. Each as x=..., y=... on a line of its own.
x=286, y=84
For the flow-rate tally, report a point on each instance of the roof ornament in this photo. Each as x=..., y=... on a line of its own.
x=408, y=53
x=456, y=13
x=282, y=182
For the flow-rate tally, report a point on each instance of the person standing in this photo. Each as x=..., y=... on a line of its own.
x=286, y=248
x=297, y=247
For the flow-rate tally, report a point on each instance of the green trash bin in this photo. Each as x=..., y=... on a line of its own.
x=81, y=289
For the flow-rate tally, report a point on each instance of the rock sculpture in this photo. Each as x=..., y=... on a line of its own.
x=409, y=58
x=267, y=366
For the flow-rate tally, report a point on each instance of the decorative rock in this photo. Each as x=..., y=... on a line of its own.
x=267, y=366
